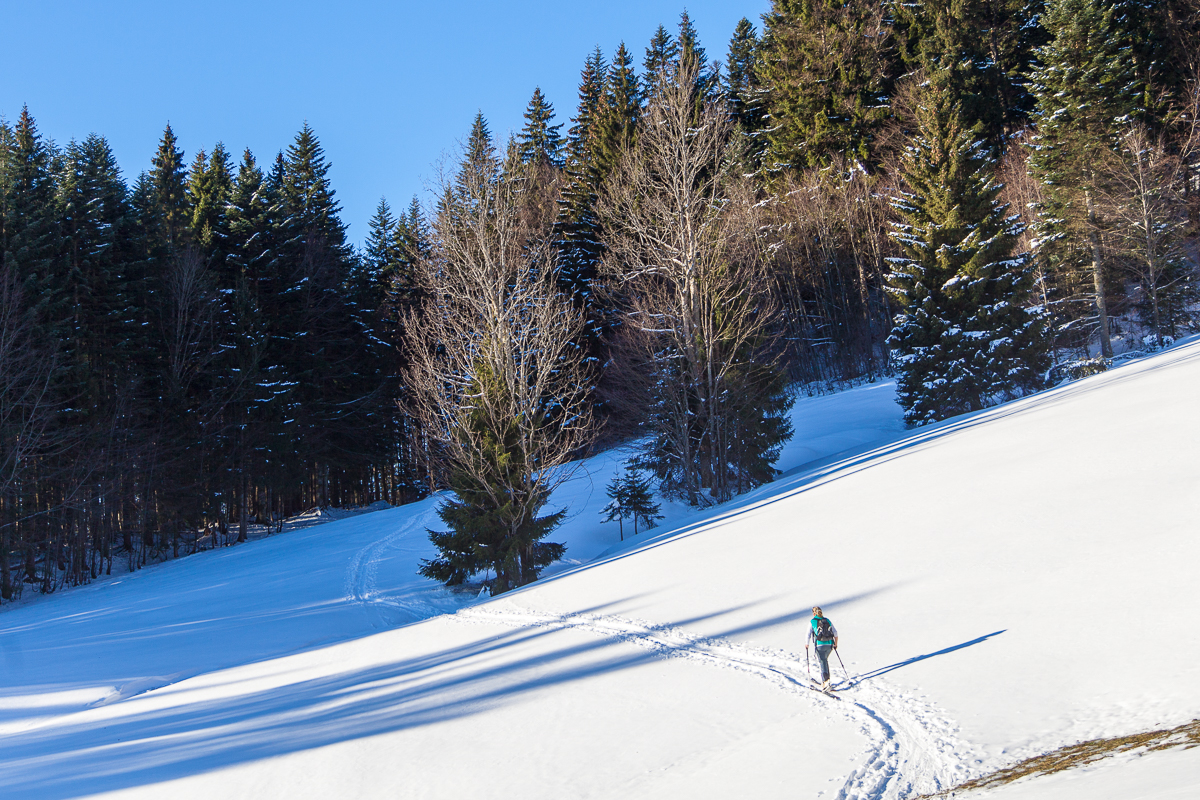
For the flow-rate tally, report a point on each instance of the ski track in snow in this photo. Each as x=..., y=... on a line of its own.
x=913, y=748
x=362, y=577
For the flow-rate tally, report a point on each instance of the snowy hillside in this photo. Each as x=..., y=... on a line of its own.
x=1004, y=584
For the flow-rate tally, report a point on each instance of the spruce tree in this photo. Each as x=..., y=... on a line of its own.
x=741, y=78
x=330, y=388
x=577, y=228
x=708, y=76
x=209, y=186
x=308, y=196
x=618, y=114
x=170, y=192
x=979, y=51
x=97, y=225
x=241, y=276
x=1084, y=85
x=379, y=252
x=479, y=164
x=630, y=497
x=146, y=248
x=539, y=141
x=247, y=220
x=493, y=515
x=827, y=66
x=662, y=51
x=387, y=259
x=31, y=232
x=966, y=336
x=746, y=95
x=412, y=238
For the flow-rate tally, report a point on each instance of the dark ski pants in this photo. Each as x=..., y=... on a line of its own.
x=823, y=651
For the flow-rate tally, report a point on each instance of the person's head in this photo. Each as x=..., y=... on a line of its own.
x=817, y=611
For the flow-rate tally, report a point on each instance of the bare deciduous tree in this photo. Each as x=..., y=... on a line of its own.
x=497, y=376
x=1022, y=193
x=684, y=261
x=829, y=243
x=1141, y=199
x=190, y=304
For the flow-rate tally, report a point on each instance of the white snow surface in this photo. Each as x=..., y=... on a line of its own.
x=985, y=574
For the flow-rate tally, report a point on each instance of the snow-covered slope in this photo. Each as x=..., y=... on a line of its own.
x=1003, y=584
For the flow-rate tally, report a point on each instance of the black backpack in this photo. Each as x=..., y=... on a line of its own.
x=823, y=630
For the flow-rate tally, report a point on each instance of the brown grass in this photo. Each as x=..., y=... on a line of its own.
x=1079, y=755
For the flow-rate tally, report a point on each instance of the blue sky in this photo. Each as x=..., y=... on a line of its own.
x=389, y=87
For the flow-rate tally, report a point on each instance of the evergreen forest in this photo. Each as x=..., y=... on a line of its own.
x=980, y=198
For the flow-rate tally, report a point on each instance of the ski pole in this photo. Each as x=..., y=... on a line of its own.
x=807, y=662
x=839, y=655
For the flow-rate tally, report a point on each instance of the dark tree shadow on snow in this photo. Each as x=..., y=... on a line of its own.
x=123, y=746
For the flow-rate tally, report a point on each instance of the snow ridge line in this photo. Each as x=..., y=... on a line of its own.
x=912, y=748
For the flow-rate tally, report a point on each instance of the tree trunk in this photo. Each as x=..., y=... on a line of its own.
x=244, y=503
x=6, y=587
x=1098, y=278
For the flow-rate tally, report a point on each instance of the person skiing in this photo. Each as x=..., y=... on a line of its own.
x=824, y=637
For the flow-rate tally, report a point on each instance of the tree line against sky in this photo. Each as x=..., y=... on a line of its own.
x=978, y=197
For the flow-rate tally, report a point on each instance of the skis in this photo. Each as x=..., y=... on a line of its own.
x=827, y=692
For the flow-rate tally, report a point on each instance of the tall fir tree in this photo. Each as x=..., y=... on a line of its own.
x=966, y=335
x=746, y=94
x=31, y=233
x=479, y=165
x=97, y=227
x=618, y=114
x=388, y=257
x=248, y=225
x=414, y=239
x=209, y=186
x=662, y=51
x=980, y=51
x=146, y=248
x=244, y=369
x=329, y=388
x=540, y=141
x=169, y=179
x=379, y=251
x=708, y=76
x=828, y=67
x=577, y=228
x=536, y=163
x=742, y=86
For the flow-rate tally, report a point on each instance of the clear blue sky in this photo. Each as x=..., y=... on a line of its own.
x=388, y=87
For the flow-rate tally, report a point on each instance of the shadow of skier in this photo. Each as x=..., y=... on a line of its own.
x=875, y=673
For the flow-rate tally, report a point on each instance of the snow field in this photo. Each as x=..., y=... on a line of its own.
x=1003, y=584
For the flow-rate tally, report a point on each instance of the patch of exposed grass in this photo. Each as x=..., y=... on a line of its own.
x=1079, y=755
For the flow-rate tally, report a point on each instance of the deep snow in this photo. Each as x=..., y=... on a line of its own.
x=982, y=573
